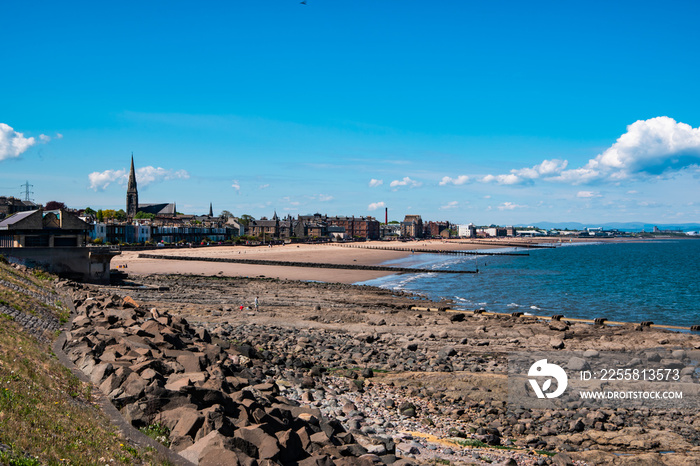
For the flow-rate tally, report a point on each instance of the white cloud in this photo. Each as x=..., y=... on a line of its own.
x=237, y=186
x=461, y=179
x=406, y=181
x=13, y=143
x=510, y=206
x=325, y=197
x=650, y=147
x=264, y=186
x=99, y=181
x=450, y=205
x=658, y=147
x=149, y=175
x=587, y=194
x=374, y=183
x=376, y=205
x=546, y=169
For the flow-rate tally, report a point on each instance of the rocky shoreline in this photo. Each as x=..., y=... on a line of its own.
x=379, y=379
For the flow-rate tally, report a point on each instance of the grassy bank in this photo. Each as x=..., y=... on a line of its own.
x=47, y=415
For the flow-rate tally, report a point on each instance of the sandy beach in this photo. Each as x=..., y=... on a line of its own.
x=359, y=254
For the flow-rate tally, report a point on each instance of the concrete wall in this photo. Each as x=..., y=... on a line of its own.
x=86, y=264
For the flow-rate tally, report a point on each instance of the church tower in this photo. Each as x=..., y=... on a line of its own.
x=132, y=193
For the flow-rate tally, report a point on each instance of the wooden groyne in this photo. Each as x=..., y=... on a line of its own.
x=432, y=251
x=315, y=265
x=514, y=244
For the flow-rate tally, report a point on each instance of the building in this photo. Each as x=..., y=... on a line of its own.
x=412, y=226
x=494, y=232
x=132, y=193
x=356, y=227
x=12, y=205
x=132, y=200
x=436, y=229
x=39, y=228
x=466, y=231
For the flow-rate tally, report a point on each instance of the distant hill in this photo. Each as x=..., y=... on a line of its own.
x=622, y=226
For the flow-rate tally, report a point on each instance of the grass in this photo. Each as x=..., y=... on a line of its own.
x=158, y=432
x=47, y=415
x=479, y=444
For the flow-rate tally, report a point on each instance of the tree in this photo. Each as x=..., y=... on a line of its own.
x=89, y=211
x=100, y=216
x=245, y=219
x=226, y=214
x=54, y=205
x=109, y=214
x=120, y=215
x=142, y=214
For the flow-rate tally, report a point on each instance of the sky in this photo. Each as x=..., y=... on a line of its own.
x=490, y=112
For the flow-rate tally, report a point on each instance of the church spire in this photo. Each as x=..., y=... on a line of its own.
x=132, y=193
x=132, y=176
x=211, y=211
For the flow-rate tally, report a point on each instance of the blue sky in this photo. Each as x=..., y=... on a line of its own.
x=485, y=112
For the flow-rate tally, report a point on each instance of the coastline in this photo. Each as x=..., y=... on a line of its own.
x=311, y=253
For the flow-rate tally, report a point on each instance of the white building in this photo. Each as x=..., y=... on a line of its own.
x=466, y=231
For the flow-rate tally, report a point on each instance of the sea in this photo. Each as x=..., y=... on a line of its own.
x=627, y=281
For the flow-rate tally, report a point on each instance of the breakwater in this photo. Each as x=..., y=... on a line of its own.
x=433, y=251
x=316, y=265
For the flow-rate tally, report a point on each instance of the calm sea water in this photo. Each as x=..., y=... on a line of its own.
x=658, y=281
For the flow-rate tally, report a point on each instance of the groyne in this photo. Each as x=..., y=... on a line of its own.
x=433, y=251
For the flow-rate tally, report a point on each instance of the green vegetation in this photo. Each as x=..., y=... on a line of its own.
x=158, y=432
x=41, y=275
x=47, y=415
x=479, y=444
x=47, y=412
x=144, y=215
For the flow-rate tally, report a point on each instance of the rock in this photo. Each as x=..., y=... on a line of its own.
x=556, y=343
x=558, y=326
x=447, y=351
x=290, y=444
x=266, y=446
x=562, y=459
x=578, y=364
x=189, y=422
x=407, y=409
x=407, y=449
x=193, y=452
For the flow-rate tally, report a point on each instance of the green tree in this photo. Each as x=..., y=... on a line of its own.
x=89, y=211
x=142, y=215
x=109, y=214
x=100, y=216
x=120, y=215
x=246, y=219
